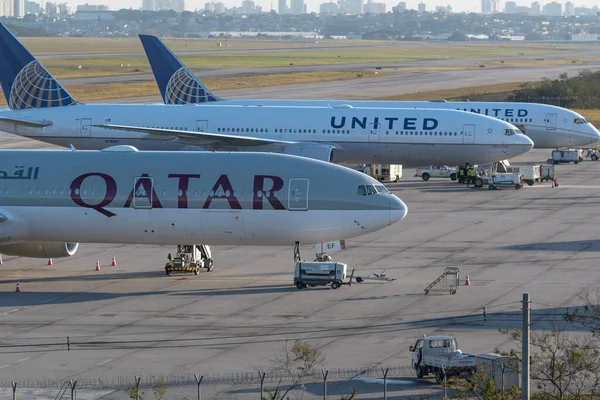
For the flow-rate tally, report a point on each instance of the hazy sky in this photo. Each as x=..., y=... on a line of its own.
x=313, y=5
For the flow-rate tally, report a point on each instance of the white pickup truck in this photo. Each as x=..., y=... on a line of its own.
x=437, y=171
x=440, y=356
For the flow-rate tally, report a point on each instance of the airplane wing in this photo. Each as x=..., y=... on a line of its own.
x=203, y=137
x=30, y=124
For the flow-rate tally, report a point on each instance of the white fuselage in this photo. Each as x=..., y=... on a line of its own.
x=185, y=197
x=548, y=126
x=359, y=135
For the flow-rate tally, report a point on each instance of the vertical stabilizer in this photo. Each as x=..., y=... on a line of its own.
x=25, y=82
x=177, y=84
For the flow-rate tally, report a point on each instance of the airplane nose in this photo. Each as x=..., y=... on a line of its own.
x=588, y=136
x=398, y=210
x=526, y=142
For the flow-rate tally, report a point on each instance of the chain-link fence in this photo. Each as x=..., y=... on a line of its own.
x=249, y=385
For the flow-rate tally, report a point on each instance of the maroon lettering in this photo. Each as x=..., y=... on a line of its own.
x=184, y=183
x=267, y=193
x=111, y=192
x=151, y=195
x=223, y=182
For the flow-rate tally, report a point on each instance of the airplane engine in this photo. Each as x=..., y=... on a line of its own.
x=39, y=250
x=316, y=151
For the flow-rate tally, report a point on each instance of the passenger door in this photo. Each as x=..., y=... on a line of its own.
x=201, y=125
x=468, y=134
x=550, y=121
x=143, y=190
x=85, y=127
x=298, y=195
x=373, y=132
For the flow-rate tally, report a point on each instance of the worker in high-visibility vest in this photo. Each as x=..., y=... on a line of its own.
x=170, y=262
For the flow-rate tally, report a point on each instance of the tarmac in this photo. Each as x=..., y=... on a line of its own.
x=70, y=321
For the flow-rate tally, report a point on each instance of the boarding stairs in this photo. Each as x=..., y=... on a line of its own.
x=448, y=281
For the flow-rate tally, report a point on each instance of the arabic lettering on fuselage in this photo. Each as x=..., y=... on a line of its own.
x=426, y=124
x=265, y=187
x=498, y=112
x=32, y=173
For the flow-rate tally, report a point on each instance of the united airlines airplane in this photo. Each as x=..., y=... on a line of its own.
x=51, y=200
x=548, y=126
x=41, y=108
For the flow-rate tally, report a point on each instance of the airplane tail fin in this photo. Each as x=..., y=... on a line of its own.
x=25, y=82
x=177, y=84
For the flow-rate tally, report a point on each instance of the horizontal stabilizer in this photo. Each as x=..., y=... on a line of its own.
x=201, y=137
x=30, y=124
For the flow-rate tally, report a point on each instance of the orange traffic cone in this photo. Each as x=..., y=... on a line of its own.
x=98, y=265
x=467, y=281
x=0, y=259
x=18, y=289
x=49, y=261
x=114, y=262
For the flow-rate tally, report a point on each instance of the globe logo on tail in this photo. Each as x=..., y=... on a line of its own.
x=184, y=88
x=34, y=87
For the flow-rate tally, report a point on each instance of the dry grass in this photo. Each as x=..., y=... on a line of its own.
x=497, y=92
x=591, y=115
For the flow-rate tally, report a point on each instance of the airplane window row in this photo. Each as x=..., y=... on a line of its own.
x=426, y=133
x=188, y=193
x=517, y=119
x=367, y=190
x=251, y=130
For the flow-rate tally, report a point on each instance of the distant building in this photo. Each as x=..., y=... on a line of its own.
x=584, y=37
x=486, y=6
x=553, y=9
x=65, y=9
x=32, y=7
x=219, y=8
x=444, y=9
x=19, y=8
x=421, y=7
x=51, y=9
x=282, y=6
x=297, y=7
x=329, y=8
x=351, y=6
x=374, y=8
x=248, y=7
x=510, y=7
x=5, y=8
x=148, y=5
x=400, y=8
x=92, y=7
x=569, y=9
x=536, y=8
x=94, y=16
x=178, y=5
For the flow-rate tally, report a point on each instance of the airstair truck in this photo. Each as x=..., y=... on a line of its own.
x=440, y=356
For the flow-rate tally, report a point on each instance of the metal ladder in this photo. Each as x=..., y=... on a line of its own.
x=449, y=279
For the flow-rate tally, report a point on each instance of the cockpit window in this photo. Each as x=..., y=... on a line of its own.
x=362, y=191
x=509, y=132
x=580, y=121
x=371, y=190
x=382, y=189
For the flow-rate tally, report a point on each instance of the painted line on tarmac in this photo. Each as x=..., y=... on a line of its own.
x=16, y=362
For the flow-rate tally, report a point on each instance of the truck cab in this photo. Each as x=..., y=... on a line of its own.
x=440, y=355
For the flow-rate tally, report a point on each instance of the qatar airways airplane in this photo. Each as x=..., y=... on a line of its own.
x=51, y=200
x=548, y=126
x=41, y=108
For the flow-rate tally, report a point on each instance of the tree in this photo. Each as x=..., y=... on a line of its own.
x=562, y=365
x=296, y=362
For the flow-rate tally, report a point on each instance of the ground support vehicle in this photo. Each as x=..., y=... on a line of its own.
x=448, y=281
x=531, y=173
x=381, y=172
x=437, y=171
x=440, y=356
x=316, y=273
x=376, y=277
x=567, y=156
x=508, y=180
x=191, y=258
